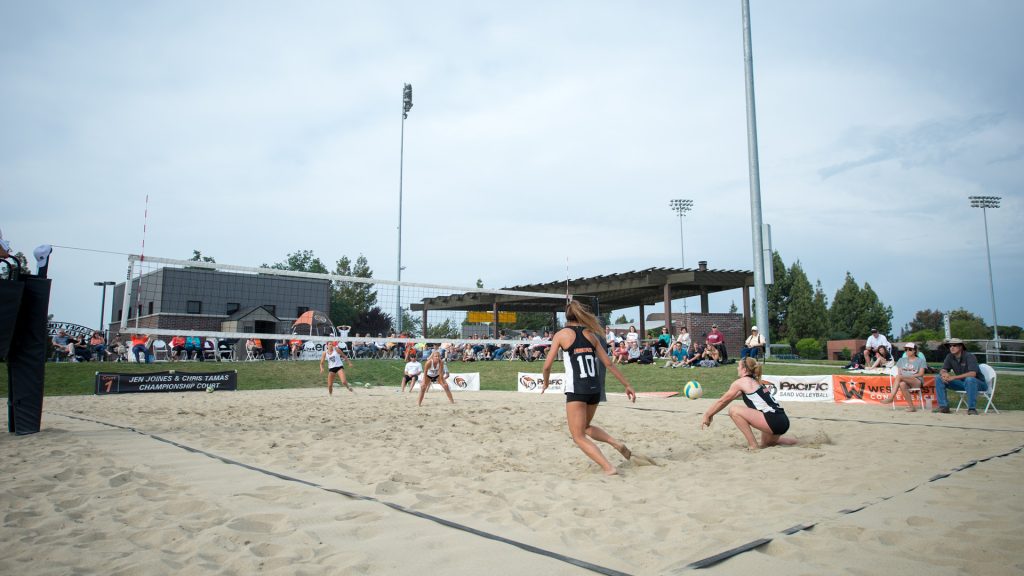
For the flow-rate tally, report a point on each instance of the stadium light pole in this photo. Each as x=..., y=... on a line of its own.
x=681, y=206
x=986, y=202
x=103, y=303
x=760, y=288
x=406, y=106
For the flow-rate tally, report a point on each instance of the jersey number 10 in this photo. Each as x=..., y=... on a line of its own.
x=586, y=365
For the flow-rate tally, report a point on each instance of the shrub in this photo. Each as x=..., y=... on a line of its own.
x=810, y=348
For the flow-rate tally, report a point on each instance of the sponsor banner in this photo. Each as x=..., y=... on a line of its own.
x=533, y=382
x=799, y=388
x=867, y=389
x=171, y=381
x=457, y=382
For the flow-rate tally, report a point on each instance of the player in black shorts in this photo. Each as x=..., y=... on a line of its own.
x=584, y=381
x=761, y=410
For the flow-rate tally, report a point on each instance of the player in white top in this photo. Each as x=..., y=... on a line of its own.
x=335, y=358
x=434, y=370
x=413, y=369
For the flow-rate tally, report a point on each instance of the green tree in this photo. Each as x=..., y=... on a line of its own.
x=820, y=303
x=5, y=272
x=843, y=313
x=197, y=256
x=479, y=283
x=872, y=313
x=301, y=261
x=623, y=320
x=446, y=329
x=351, y=299
x=533, y=321
x=924, y=320
x=778, y=298
x=732, y=308
x=802, y=317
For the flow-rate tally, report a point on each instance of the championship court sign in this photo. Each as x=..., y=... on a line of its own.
x=171, y=381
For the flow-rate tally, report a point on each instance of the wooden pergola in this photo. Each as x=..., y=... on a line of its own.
x=612, y=291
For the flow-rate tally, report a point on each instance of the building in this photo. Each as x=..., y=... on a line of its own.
x=210, y=300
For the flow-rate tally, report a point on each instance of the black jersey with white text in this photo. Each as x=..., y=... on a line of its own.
x=581, y=365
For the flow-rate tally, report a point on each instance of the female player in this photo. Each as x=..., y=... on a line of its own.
x=336, y=358
x=584, y=382
x=761, y=410
x=434, y=370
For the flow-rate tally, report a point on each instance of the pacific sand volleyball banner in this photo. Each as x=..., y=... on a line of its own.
x=461, y=382
x=172, y=381
x=533, y=382
x=799, y=388
x=870, y=389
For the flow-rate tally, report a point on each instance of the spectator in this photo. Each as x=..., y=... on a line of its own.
x=909, y=374
x=753, y=344
x=632, y=351
x=696, y=353
x=98, y=346
x=194, y=348
x=282, y=348
x=632, y=335
x=621, y=353
x=295, y=345
x=664, y=342
x=343, y=331
x=960, y=371
x=609, y=339
x=883, y=358
x=412, y=372
x=717, y=339
x=255, y=347
x=876, y=341
x=140, y=348
x=62, y=346
x=80, y=349
x=646, y=355
x=676, y=356
x=684, y=338
x=177, y=347
x=711, y=357
x=856, y=360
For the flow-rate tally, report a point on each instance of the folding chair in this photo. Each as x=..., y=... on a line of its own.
x=989, y=392
x=160, y=351
x=893, y=371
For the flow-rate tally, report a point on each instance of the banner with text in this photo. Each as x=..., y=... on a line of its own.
x=867, y=389
x=172, y=381
x=533, y=382
x=799, y=388
x=461, y=382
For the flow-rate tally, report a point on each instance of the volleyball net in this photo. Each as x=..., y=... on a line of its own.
x=167, y=298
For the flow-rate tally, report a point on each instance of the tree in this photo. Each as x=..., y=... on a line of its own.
x=533, y=321
x=924, y=320
x=820, y=311
x=479, y=283
x=302, y=261
x=197, y=256
x=350, y=299
x=872, y=313
x=623, y=320
x=373, y=321
x=410, y=324
x=5, y=272
x=778, y=298
x=803, y=319
x=446, y=329
x=732, y=308
x=843, y=313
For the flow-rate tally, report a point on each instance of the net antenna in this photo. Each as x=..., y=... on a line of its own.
x=568, y=297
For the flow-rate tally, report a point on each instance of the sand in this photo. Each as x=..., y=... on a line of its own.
x=296, y=482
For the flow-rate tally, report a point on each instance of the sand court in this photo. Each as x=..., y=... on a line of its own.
x=296, y=482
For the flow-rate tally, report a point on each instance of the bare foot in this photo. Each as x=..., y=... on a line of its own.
x=887, y=400
x=911, y=409
x=626, y=452
x=611, y=472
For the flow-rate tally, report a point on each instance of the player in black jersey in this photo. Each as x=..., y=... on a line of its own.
x=584, y=387
x=761, y=410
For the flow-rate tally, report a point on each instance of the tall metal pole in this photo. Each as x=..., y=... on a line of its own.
x=103, y=303
x=682, y=206
x=760, y=290
x=985, y=202
x=406, y=105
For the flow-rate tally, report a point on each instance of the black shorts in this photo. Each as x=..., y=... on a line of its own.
x=778, y=422
x=409, y=378
x=590, y=399
x=336, y=369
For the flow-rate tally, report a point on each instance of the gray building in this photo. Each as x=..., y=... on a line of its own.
x=204, y=300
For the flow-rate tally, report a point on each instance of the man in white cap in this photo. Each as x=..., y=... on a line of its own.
x=960, y=371
x=753, y=344
x=875, y=341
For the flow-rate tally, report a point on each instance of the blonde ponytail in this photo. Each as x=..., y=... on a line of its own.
x=580, y=314
x=752, y=367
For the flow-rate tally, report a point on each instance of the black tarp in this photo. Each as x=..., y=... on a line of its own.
x=26, y=358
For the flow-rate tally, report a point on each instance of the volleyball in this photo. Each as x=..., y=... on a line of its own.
x=692, y=390
x=209, y=388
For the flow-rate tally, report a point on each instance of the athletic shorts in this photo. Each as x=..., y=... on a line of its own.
x=336, y=369
x=409, y=378
x=433, y=379
x=590, y=399
x=778, y=422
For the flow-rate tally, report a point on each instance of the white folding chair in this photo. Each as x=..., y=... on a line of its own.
x=990, y=381
x=160, y=352
x=893, y=372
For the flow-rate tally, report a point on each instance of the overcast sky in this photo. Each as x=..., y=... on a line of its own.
x=539, y=130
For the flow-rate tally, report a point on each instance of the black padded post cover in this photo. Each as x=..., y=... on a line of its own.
x=26, y=359
x=10, y=302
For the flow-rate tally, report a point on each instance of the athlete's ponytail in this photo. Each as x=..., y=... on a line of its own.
x=752, y=367
x=579, y=313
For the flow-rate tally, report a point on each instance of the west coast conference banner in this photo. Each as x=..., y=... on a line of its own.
x=171, y=381
x=462, y=382
x=841, y=388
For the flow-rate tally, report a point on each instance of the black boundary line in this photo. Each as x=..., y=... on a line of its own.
x=721, y=556
x=397, y=507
